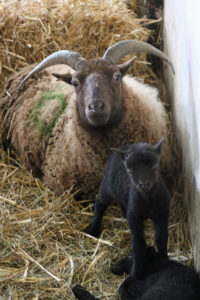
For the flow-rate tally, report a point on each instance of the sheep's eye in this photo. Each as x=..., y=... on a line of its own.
x=117, y=76
x=75, y=83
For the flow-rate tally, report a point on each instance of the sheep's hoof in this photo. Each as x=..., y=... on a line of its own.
x=122, y=266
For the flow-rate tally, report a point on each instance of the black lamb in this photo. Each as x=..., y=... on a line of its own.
x=133, y=180
x=162, y=279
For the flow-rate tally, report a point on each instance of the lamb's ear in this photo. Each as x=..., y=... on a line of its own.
x=126, y=66
x=64, y=77
x=122, y=153
x=158, y=146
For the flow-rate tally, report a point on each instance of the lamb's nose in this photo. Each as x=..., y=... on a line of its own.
x=96, y=106
x=144, y=185
x=141, y=184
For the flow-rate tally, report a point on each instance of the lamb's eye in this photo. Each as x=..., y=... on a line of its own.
x=117, y=76
x=155, y=166
x=75, y=83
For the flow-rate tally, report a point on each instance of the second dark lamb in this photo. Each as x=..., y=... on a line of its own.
x=162, y=279
x=132, y=179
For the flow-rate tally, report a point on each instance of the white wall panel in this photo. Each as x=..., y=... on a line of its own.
x=182, y=44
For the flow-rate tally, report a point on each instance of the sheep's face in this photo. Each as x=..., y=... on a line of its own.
x=98, y=87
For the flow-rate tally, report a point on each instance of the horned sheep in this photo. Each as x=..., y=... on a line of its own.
x=63, y=132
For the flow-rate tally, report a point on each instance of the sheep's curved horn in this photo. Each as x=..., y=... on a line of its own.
x=122, y=48
x=65, y=57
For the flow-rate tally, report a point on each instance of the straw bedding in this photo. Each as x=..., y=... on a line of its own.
x=43, y=245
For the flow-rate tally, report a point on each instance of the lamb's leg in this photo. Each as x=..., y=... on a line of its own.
x=131, y=288
x=161, y=234
x=123, y=290
x=81, y=294
x=123, y=266
x=101, y=203
x=138, y=245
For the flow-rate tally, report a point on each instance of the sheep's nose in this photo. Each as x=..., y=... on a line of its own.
x=96, y=106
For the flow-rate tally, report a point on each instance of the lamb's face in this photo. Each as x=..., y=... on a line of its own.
x=144, y=177
x=143, y=169
x=142, y=163
x=98, y=87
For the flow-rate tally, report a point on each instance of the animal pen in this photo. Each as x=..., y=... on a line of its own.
x=43, y=244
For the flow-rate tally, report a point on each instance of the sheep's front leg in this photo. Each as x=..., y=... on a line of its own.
x=100, y=206
x=161, y=234
x=138, y=245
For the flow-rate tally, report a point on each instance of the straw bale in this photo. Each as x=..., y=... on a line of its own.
x=31, y=30
x=44, y=249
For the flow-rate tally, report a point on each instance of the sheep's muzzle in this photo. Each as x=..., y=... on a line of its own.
x=97, y=116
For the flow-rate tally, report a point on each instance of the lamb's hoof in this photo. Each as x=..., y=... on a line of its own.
x=93, y=231
x=76, y=287
x=81, y=293
x=122, y=266
x=78, y=291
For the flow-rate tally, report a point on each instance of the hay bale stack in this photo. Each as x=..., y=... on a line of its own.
x=30, y=31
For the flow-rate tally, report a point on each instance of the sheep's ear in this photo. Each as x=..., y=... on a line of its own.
x=64, y=77
x=122, y=153
x=126, y=66
x=158, y=146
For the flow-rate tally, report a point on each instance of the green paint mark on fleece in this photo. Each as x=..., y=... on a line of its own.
x=44, y=127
